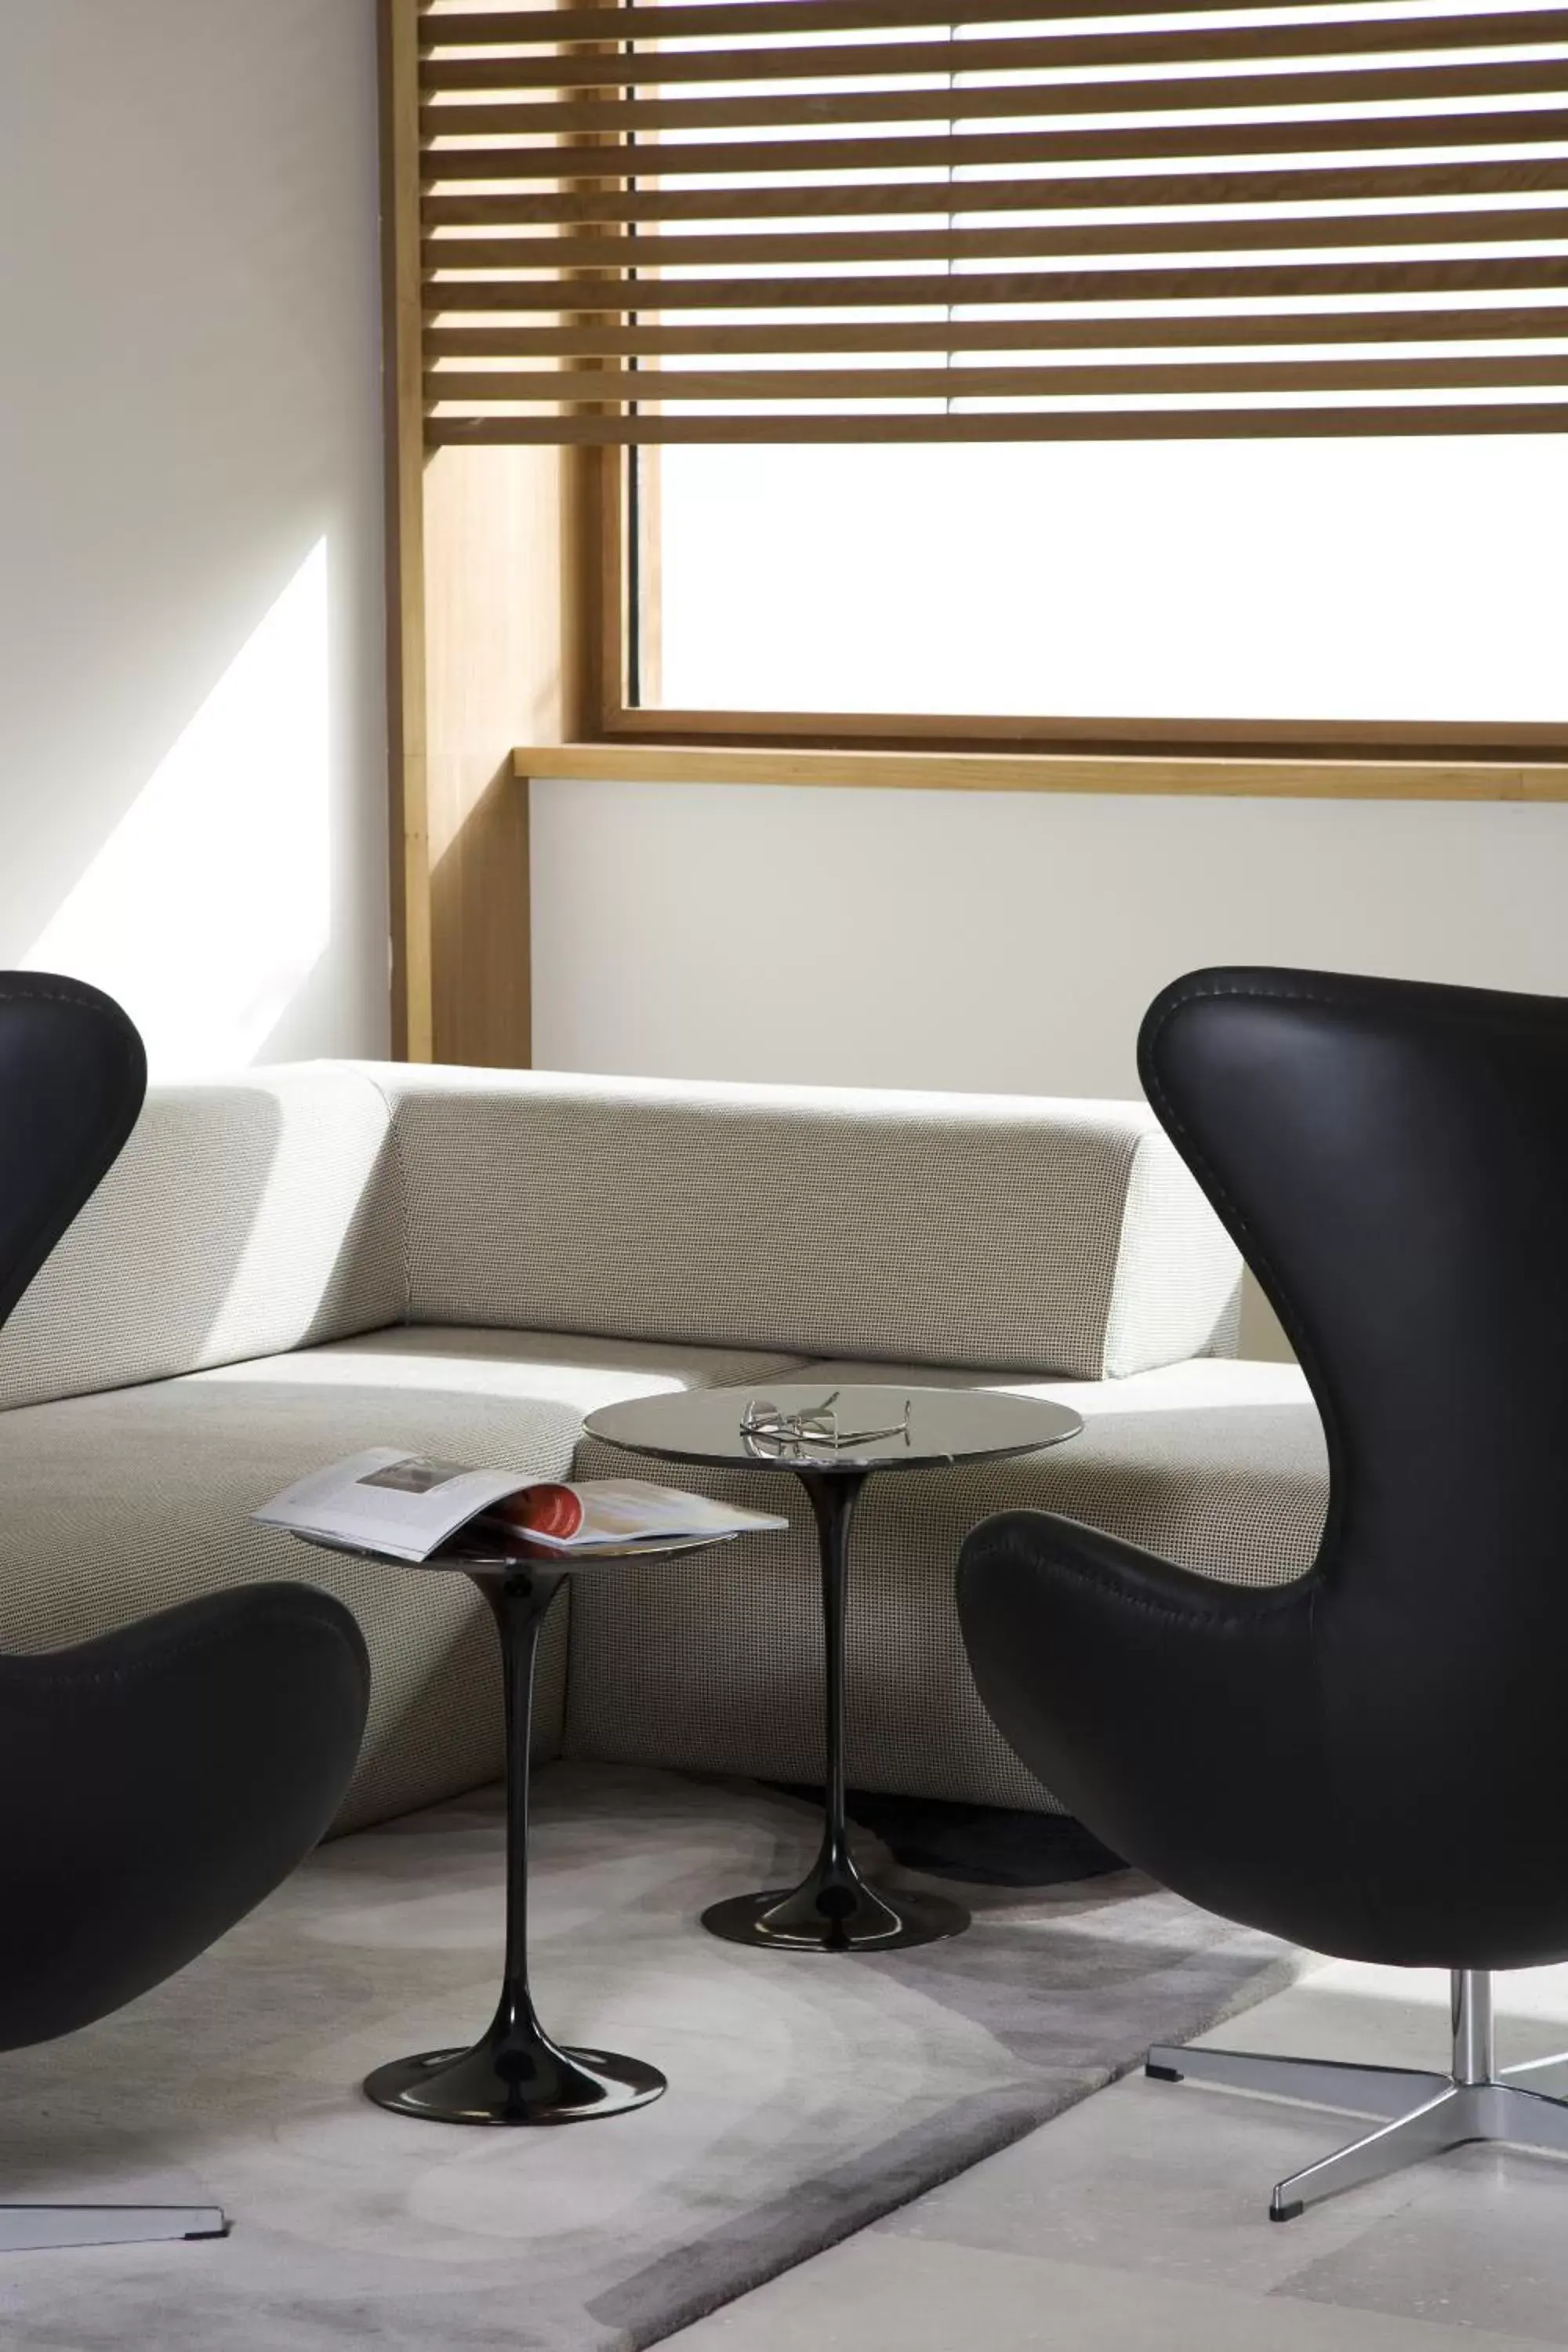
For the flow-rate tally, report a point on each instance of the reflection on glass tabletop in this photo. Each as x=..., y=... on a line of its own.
x=830, y=1426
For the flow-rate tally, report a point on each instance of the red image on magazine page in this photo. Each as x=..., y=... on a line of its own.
x=542, y=1511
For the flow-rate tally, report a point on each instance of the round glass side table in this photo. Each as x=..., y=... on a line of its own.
x=515, y=2073
x=833, y=1440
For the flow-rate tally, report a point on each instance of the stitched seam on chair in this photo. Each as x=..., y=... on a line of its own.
x=83, y=1002
x=31, y=1670
x=1318, y=1381
x=1199, y=1614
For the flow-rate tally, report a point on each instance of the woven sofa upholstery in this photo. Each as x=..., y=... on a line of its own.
x=972, y=1229
x=240, y=1219
x=291, y=1264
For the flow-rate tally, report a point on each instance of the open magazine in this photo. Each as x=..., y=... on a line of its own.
x=406, y=1505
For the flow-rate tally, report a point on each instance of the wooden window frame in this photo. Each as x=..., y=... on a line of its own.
x=507, y=631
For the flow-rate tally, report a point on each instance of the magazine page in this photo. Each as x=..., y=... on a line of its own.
x=389, y=1500
x=620, y=1511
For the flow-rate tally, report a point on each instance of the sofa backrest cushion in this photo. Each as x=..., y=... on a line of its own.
x=985, y=1231
x=241, y=1218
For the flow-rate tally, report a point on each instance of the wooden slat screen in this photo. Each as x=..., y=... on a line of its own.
x=802, y=220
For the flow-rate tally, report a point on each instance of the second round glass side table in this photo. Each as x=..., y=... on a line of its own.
x=833, y=1440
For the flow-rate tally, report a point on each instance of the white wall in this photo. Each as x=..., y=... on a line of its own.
x=1005, y=940
x=192, y=753
x=994, y=941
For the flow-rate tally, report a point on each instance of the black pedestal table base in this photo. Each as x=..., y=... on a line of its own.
x=515, y=2073
x=832, y=1909
x=800, y=1919
x=514, y=2082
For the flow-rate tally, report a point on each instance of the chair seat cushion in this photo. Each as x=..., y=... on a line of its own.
x=1218, y=1465
x=122, y=1503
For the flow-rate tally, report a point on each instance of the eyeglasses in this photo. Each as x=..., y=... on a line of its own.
x=811, y=1429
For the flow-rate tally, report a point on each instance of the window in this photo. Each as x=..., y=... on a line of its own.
x=1114, y=375
x=1415, y=584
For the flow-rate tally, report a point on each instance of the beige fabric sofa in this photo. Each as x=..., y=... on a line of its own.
x=314, y=1258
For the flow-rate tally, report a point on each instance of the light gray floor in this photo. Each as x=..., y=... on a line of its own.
x=1138, y=2222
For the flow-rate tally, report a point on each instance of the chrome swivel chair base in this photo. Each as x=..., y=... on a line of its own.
x=1426, y=2112
x=24, y=2228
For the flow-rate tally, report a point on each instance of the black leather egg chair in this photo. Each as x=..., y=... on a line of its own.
x=157, y=1782
x=1370, y=1761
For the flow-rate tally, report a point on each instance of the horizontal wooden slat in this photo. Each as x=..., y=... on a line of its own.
x=1219, y=282
x=1447, y=374
x=485, y=79
x=1139, y=143
x=1526, y=175
x=1352, y=84
x=1532, y=323
x=1543, y=224
x=654, y=119
x=626, y=114
x=729, y=20
x=1104, y=424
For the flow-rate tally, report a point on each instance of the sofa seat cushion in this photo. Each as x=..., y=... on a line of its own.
x=118, y=1503
x=718, y=1663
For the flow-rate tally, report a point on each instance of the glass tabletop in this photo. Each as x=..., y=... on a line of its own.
x=825, y=1425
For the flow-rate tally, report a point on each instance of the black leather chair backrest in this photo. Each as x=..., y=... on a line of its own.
x=72, y=1078
x=1392, y=1160
x=157, y=1782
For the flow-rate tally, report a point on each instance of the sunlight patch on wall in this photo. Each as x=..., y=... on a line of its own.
x=209, y=904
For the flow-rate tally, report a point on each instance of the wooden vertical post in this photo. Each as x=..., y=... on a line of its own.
x=408, y=841
x=482, y=586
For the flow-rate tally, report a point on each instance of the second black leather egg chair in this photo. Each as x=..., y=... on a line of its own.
x=1370, y=1761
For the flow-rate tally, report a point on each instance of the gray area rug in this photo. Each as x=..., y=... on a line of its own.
x=808, y=2093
